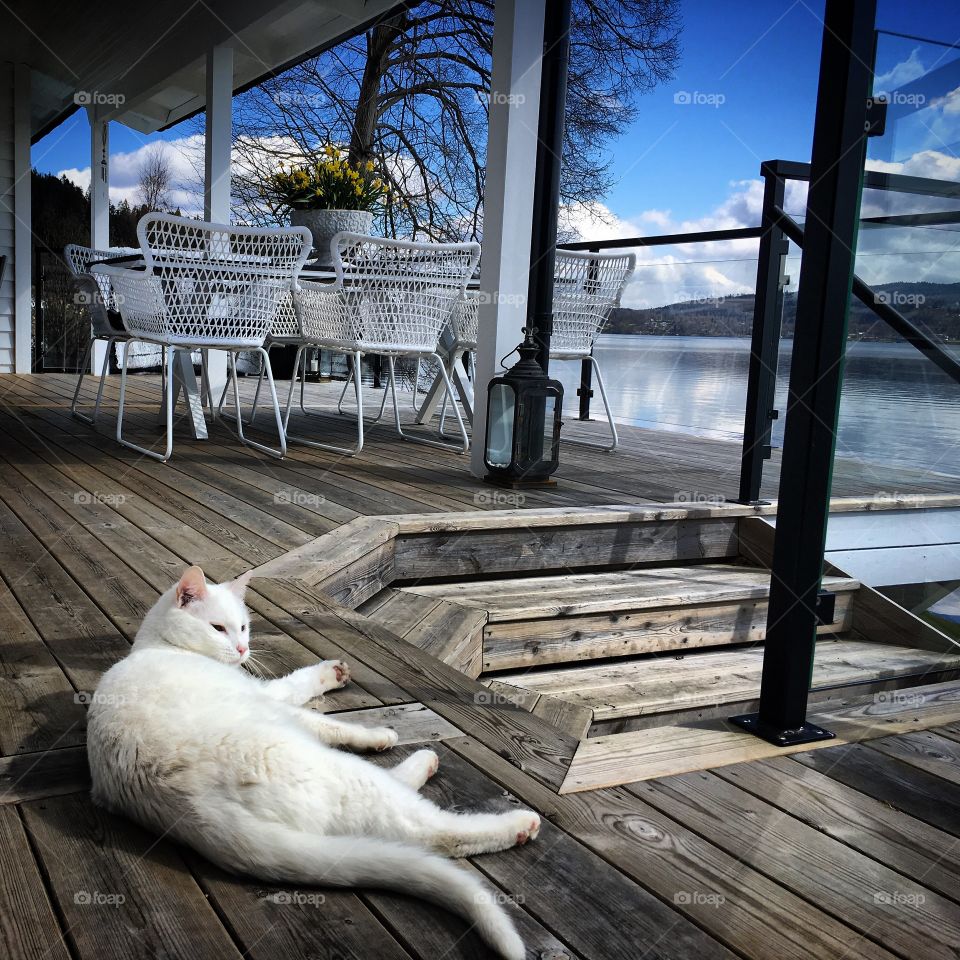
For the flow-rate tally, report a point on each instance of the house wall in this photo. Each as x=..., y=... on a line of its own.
x=6, y=217
x=15, y=305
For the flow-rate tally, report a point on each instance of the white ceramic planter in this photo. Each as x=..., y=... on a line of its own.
x=324, y=224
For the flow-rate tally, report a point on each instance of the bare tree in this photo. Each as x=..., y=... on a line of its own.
x=411, y=94
x=155, y=179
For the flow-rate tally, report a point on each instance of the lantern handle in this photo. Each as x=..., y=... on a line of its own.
x=528, y=341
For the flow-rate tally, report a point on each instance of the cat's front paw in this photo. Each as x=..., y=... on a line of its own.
x=331, y=675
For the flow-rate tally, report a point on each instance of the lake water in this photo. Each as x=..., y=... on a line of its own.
x=897, y=407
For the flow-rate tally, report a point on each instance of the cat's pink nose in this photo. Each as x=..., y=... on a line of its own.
x=241, y=649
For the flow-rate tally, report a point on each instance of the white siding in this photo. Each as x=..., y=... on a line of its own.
x=6, y=217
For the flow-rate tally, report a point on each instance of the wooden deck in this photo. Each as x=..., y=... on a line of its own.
x=846, y=851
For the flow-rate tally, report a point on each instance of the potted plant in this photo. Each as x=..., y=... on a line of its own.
x=329, y=195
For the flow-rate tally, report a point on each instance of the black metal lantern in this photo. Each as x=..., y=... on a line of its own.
x=523, y=422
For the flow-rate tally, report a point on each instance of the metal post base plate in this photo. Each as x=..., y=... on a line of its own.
x=808, y=733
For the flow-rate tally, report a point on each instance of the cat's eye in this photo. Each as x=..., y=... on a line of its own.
x=219, y=627
x=243, y=629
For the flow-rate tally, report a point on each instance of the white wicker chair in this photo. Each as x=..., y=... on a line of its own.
x=587, y=286
x=391, y=298
x=97, y=297
x=206, y=286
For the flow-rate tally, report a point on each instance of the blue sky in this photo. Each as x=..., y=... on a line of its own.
x=749, y=69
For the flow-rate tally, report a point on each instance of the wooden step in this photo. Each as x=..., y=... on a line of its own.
x=451, y=632
x=666, y=684
x=533, y=621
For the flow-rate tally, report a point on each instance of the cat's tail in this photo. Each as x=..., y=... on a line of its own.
x=272, y=851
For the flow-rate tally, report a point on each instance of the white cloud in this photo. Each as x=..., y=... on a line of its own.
x=901, y=73
x=185, y=157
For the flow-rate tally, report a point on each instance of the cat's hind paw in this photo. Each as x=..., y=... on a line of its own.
x=528, y=826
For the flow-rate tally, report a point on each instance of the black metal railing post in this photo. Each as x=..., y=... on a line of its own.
x=546, y=193
x=816, y=371
x=765, y=343
x=585, y=391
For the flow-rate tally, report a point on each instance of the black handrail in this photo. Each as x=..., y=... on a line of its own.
x=665, y=240
x=866, y=295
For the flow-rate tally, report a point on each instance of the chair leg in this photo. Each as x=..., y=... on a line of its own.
x=358, y=391
x=614, y=439
x=277, y=452
x=383, y=399
x=103, y=377
x=168, y=403
x=84, y=363
x=462, y=447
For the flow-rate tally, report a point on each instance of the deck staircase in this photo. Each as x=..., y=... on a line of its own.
x=609, y=651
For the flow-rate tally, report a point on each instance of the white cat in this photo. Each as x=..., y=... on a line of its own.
x=188, y=744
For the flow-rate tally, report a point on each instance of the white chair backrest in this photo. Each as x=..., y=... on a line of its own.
x=465, y=321
x=211, y=281
x=402, y=293
x=587, y=286
x=100, y=298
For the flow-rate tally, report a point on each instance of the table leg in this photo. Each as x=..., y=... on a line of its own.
x=185, y=382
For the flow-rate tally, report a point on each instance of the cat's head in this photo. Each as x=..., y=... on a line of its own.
x=222, y=628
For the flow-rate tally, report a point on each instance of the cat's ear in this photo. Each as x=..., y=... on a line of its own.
x=192, y=586
x=238, y=587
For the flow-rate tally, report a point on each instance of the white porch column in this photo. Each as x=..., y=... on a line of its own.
x=216, y=181
x=99, y=203
x=22, y=247
x=508, y=195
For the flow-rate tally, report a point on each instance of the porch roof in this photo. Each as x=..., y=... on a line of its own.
x=143, y=65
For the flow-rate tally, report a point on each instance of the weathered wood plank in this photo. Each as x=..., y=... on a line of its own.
x=922, y=795
x=562, y=548
x=666, y=751
x=513, y=644
x=47, y=773
x=761, y=920
x=531, y=873
x=28, y=928
x=413, y=722
x=889, y=908
x=536, y=747
x=272, y=922
x=891, y=837
x=924, y=749
x=122, y=892
x=38, y=709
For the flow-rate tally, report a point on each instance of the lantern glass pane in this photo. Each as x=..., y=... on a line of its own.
x=500, y=425
x=550, y=413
